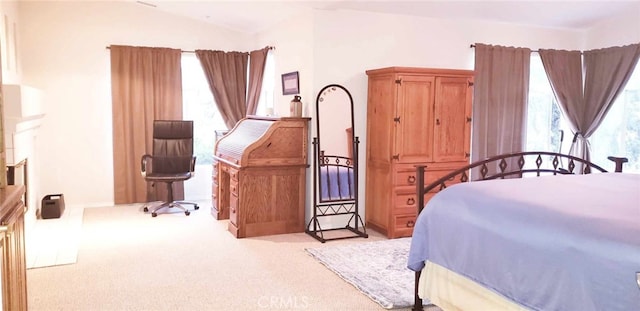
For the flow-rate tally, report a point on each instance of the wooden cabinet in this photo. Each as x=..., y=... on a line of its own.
x=414, y=116
x=13, y=268
x=259, y=180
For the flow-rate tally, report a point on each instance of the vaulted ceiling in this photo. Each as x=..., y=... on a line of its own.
x=257, y=15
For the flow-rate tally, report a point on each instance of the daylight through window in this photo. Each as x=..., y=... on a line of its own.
x=618, y=135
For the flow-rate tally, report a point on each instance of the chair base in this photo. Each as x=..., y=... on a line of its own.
x=176, y=204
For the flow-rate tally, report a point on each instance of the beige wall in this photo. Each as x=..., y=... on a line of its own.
x=294, y=45
x=63, y=52
x=9, y=23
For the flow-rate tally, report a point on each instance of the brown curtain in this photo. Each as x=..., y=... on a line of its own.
x=146, y=84
x=500, y=100
x=257, y=61
x=606, y=71
x=226, y=73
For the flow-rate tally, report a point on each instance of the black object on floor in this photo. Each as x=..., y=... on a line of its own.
x=52, y=206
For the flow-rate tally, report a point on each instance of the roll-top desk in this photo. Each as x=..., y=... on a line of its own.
x=13, y=268
x=259, y=176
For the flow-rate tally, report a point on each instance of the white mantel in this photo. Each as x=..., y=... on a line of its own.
x=23, y=113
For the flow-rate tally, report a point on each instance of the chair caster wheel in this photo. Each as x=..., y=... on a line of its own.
x=187, y=213
x=145, y=209
x=154, y=214
x=196, y=207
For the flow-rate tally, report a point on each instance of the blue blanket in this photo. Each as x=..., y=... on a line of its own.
x=548, y=243
x=336, y=183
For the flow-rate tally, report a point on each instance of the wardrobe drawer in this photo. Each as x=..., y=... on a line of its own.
x=404, y=176
x=405, y=200
x=408, y=178
x=403, y=225
x=432, y=176
x=408, y=202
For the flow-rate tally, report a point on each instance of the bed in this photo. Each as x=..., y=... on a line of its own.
x=568, y=239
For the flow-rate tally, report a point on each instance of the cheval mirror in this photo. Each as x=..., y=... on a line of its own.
x=335, y=181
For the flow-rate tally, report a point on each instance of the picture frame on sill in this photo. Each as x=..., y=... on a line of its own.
x=290, y=83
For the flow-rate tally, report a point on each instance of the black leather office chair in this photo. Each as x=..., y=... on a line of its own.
x=171, y=160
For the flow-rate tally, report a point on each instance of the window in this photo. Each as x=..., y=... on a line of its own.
x=544, y=132
x=617, y=135
x=265, y=104
x=198, y=105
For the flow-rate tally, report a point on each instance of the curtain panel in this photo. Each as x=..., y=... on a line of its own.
x=226, y=74
x=146, y=84
x=257, y=62
x=585, y=102
x=500, y=100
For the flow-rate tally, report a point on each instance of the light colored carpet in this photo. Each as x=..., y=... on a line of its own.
x=55, y=241
x=378, y=269
x=128, y=260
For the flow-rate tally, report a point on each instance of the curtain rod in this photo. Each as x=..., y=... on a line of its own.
x=473, y=46
x=183, y=51
x=533, y=51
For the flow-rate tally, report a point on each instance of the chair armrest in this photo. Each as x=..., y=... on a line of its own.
x=618, y=161
x=144, y=166
x=192, y=168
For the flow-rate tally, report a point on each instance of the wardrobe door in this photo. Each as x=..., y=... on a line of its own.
x=452, y=116
x=414, y=119
x=380, y=111
x=381, y=108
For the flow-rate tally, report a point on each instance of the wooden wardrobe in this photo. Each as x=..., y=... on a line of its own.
x=414, y=116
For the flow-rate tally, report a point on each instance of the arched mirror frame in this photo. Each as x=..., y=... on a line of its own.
x=335, y=169
x=332, y=102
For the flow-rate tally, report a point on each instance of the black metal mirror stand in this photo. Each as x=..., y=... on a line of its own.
x=331, y=174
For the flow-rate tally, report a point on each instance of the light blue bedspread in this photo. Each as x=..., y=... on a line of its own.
x=336, y=183
x=548, y=243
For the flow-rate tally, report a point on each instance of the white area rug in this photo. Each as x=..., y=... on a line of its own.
x=378, y=269
x=52, y=242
